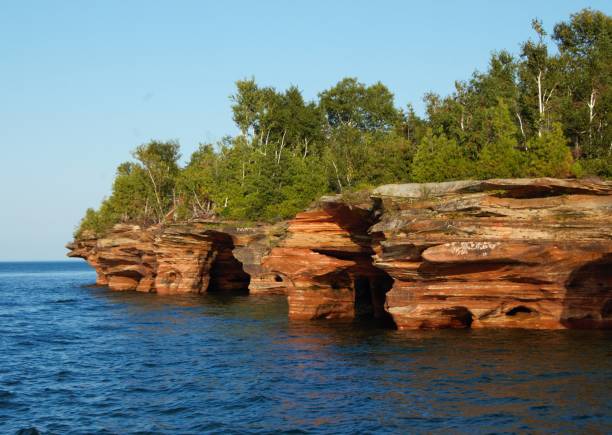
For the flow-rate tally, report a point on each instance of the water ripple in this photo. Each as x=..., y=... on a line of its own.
x=77, y=359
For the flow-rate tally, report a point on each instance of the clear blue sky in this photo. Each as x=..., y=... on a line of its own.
x=83, y=82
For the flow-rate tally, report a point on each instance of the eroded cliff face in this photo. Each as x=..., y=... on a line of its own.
x=125, y=260
x=526, y=253
x=533, y=253
x=191, y=257
x=325, y=262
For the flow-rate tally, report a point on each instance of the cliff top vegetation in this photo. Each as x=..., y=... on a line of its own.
x=542, y=112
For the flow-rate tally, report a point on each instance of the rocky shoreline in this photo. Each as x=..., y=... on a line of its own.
x=507, y=253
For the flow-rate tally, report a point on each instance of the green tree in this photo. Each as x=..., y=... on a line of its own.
x=499, y=157
x=247, y=105
x=159, y=161
x=440, y=159
x=585, y=44
x=89, y=225
x=540, y=78
x=352, y=104
x=196, y=184
x=548, y=155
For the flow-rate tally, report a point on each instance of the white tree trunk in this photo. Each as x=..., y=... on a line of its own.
x=540, y=103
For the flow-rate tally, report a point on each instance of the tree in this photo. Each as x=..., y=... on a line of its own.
x=499, y=157
x=448, y=116
x=439, y=159
x=196, y=184
x=585, y=43
x=539, y=74
x=514, y=119
x=352, y=104
x=273, y=121
x=160, y=162
x=548, y=154
x=131, y=199
x=89, y=225
x=247, y=105
x=412, y=126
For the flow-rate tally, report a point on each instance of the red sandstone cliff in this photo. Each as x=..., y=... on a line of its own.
x=528, y=253
x=191, y=257
x=124, y=260
x=326, y=264
x=533, y=253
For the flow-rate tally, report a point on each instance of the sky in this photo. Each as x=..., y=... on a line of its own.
x=82, y=83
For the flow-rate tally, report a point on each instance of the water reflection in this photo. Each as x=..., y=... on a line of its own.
x=88, y=360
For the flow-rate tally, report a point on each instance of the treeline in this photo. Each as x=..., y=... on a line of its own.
x=545, y=112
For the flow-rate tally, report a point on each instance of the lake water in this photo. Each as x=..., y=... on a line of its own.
x=77, y=359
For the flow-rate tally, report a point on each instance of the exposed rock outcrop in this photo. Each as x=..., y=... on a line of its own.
x=530, y=253
x=85, y=248
x=188, y=257
x=326, y=263
x=124, y=260
x=523, y=253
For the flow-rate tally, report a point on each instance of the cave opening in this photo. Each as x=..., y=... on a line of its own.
x=226, y=272
x=520, y=310
x=460, y=317
x=370, y=298
x=363, y=297
x=587, y=303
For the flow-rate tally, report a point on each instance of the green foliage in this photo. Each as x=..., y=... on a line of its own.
x=499, y=156
x=499, y=160
x=266, y=117
x=518, y=118
x=585, y=45
x=353, y=104
x=302, y=181
x=601, y=167
x=548, y=155
x=439, y=158
x=89, y=224
x=159, y=164
x=195, y=184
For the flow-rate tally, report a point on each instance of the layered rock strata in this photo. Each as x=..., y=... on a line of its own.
x=124, y=260
x=325, y=262
x=519, y=253
x=531, y=253
x=191, y=257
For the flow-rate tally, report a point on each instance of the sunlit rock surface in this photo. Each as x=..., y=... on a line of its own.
x=526, y=253
x=518, y=253
x=191, y=257
x=124, y=260
x=325, y=261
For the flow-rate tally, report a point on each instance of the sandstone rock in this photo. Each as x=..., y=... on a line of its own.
x=188, y=257
x=124, y=260
x=519, y=253
x=252, y=244
x=530, y=253
x=325, y=263
x=185, y=254
x=85, y=248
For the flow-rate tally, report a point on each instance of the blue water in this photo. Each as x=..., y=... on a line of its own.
x=77, y=359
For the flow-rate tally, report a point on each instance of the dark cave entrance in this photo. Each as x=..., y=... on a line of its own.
x=606, y=311
x=521, y=311
x=363, y=297
x=370, y=298
x=587, y=303
x=226, y=272
x=459, y=317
